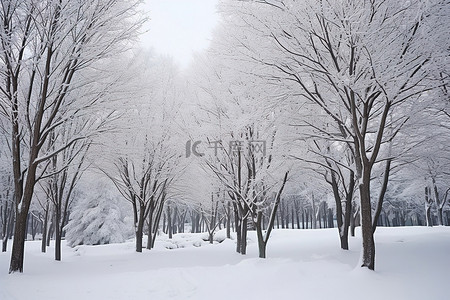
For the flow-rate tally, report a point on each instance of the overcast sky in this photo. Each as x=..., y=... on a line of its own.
x=179, y=27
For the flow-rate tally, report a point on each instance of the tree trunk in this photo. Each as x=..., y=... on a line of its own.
x=237, y=222
x=428, y=208
x=278, y=220
x=307, y=218
x=340, y=222
x=140, y=230
x=8, y=222
x=169, y=222
x=368, y=250
x=150, y=229
x=440, y=216
x=32, y=226
x=324, y=214
x=382, y=193
x=57, y=244
x=297, y=214
x=174, y=220
x=18, y=249
x=303, y=219
x=9, y=230
x=244, y=223
x=164, y=228
x=264, y=238
x=20, y=229
x=4, y=243
x=44, y=231
x=313, y=213
x=228, y=220
x=349, y=207
x=353, y=217
x=259, y=232
x=193, y=229
x=50, y=233
x=292, y=218
x=330, y=218
x=428, y=215
x=439, y=206
x=57, y=238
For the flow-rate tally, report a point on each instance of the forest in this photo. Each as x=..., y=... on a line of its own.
x=300, y=115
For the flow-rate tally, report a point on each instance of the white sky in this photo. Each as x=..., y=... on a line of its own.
x=179, y=28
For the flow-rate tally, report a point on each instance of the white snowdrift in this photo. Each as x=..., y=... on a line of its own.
x=412, y=263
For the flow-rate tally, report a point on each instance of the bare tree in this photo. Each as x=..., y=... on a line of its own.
x=65, y=171
x=211, y=217
x=146, y=187
x=43, y=54
x=344, y=58
x=6, y=209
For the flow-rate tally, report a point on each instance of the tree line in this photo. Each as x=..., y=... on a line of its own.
x=324, y=114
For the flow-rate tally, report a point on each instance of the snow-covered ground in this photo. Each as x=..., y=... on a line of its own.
x=411, y=263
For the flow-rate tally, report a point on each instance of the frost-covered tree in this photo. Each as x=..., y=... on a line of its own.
x=48, y=50
x=97, y=218
x=6, y=203
x=241, y=140
x=142, y=157
x=358, y=62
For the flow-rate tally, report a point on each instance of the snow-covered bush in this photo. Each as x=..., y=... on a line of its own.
x=96, y=218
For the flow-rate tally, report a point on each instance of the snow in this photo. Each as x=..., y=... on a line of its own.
x=411, y=263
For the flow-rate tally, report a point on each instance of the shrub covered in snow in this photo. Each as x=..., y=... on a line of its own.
x=96, y=219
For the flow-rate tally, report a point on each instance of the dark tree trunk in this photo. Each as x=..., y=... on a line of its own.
x=228, y=220
x=319, y=217
x=292, y=218
x=169, y=222
x=20, y=229
x=244, y=223
x=324, y=214
x=330, y=218
x=428, y=208
x=339, y=213
x=4, y=243
x=237, y=222
x=140, y=229
x=264, y=238
x=297, y=214
x=164, y=228
x=353, y=217
x=32, y=227
x=198, y=225
x=150, y=230
x=307, y=218
x=8, y=223
x=368, y=251
x=182, y=220
x=259, y=232
x=174, y=220
x=18, y=250
x=27, y=226
x=278, y=220
x=440, y=216
x=428, y=215
x=50, y=233
x=303, y=219
x=193, y=223
x=57, y=236
x=349, y=207
x=387, y=170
